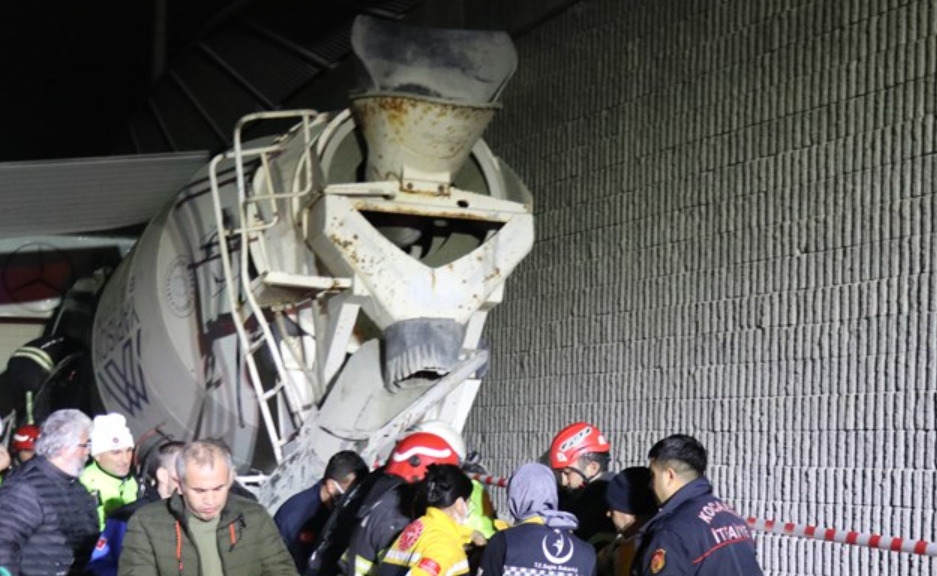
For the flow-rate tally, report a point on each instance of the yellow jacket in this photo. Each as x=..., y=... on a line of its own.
x=110, y=492
x=432, y=545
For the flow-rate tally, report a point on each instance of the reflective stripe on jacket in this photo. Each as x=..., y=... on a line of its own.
x=430, y=546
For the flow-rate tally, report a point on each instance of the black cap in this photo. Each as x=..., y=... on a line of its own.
x=629, y=491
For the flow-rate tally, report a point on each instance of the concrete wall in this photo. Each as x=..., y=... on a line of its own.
x=736, y=240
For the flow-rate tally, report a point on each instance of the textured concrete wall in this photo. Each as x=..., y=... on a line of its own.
x=736, y=239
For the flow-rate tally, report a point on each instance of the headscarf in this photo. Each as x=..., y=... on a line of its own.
x=532, y=492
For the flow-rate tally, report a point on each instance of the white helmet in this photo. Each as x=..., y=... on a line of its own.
x=445, y=431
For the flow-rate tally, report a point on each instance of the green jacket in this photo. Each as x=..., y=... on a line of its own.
x=248, y=541
x=110, y=492
x=480, y=511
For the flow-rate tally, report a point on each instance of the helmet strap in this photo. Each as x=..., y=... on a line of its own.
x=586, y=479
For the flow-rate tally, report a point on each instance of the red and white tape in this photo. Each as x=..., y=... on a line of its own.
x=921, y=547
x=894, y=544
x=491, y=480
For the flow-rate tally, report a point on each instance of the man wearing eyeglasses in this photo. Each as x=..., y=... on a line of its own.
x=48, y=521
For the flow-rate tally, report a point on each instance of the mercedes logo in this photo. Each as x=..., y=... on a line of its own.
x=35, y=272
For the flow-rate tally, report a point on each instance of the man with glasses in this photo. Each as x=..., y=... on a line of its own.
x=48, y=521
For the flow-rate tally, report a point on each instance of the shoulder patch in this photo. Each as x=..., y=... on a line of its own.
x=658, y=560
x=431, y=567
x=410, y=535
x=102, y=544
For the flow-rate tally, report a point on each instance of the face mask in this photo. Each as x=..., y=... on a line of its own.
x=463, y=517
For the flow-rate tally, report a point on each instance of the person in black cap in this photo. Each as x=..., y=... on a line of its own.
x=630, y=505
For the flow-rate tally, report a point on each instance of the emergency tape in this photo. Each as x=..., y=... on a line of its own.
x=894, y=544
x=490, y=480
x=877, y=541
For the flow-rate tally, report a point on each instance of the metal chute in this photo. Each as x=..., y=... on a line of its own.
x=296, y=303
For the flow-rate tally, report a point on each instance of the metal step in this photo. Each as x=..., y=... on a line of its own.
x=273, y=288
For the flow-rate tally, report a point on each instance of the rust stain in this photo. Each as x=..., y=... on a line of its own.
x=344, y=244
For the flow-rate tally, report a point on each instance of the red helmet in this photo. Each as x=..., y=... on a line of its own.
x=25, y=438
x=574, y=441
x=412, y=455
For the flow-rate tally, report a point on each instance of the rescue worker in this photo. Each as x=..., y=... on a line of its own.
x=31, y=364
x=302, y=517
x=694, y=533
x=24, y=448
x=433, y=545
x=160, y=484
x=541, y=543
x=108, y=477
x=481, y=511
x=630, y=505
x=386, y=510
x=24, y=442
x=579, y=453
x=30, y=370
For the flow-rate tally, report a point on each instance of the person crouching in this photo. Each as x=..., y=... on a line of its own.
x=433, y=545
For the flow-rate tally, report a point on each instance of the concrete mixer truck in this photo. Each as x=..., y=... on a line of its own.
x=326, y=288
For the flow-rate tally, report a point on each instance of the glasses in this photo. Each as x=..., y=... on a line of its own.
x=85, y=445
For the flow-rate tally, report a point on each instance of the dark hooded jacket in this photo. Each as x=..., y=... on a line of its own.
x=48, y=521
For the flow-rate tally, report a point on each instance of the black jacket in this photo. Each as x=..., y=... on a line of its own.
x=386, y=511
x=337, y=534
x=589, y=506
x=532, y=549
x=696, y=534
x=300, y=520
x=48, y=521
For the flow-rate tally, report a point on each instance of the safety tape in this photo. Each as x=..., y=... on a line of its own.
x=894, y=544
x=852, y=538
x=490, y=480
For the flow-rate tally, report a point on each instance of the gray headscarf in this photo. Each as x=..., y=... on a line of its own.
x=532, y=492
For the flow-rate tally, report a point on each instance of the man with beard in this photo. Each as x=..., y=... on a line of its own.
x=579, y=454
x=48, y=524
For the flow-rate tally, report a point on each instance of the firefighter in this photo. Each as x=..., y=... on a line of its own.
x=694, y=532
x=23, y=446
x=434, y=544
x=385, y=514
x=579, y=454
x=369, y=518
x=481, y=510
x=24, y=443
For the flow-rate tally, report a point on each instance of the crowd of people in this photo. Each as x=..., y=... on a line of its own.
x=79, y=497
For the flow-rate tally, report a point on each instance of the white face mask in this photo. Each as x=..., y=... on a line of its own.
x=463, y=515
